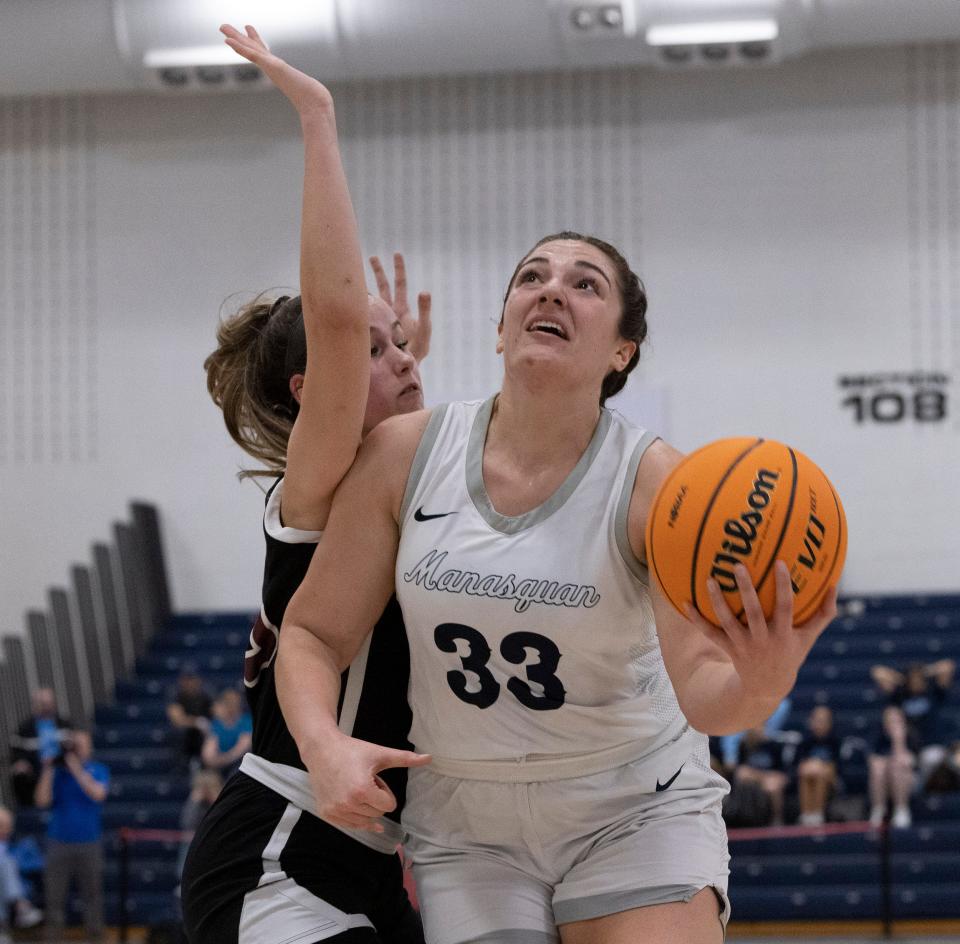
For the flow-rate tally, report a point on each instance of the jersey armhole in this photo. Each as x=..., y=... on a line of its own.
x=274, y=527
x=634, y=565
x=420, y=457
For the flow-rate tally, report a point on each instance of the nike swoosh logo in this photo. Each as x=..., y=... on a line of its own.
x=418, y=515
x=663, y=786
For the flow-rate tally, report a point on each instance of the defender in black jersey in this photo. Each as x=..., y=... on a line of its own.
x=263, y=868
x=257, y=845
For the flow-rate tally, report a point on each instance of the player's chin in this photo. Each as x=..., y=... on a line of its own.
x=410, y=399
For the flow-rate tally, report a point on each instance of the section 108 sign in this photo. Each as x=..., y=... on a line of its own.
x=893, y=397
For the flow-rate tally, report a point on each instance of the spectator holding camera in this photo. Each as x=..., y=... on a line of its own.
x=37, y=739
x=74, y=787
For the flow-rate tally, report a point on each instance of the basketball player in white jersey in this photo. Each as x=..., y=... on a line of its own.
x=565, y=704
x=263, y=868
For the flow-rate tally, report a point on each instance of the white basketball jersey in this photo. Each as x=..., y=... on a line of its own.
x=531, y=637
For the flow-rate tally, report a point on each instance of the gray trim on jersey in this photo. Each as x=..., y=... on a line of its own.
x=420, y=458
x=478, y=491
x=623, y=508
x=599, y=906
x=351, y=695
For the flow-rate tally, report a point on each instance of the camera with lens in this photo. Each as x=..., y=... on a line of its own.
x=66, y=747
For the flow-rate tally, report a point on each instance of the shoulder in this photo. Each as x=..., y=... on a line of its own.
x=391, y=444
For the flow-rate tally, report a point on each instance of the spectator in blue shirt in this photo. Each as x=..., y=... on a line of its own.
x=817, y=759
x=230, y=734
x=74, y=786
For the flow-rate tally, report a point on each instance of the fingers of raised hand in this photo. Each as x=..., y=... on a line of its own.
x=424, y=325
x=383, y=286
x=255, y=36
x=399, y=283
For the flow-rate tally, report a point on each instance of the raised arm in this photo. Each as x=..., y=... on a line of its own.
x=346, y=589
x=333, y=397
x=732, y=678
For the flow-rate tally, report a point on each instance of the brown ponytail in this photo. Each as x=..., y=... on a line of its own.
x=258, y=350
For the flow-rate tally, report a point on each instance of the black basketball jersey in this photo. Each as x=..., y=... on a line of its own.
x=373, y=690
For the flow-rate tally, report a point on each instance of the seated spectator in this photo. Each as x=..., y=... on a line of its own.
x=761, y=762
x=920, y=691
x=189, y=713
x=730, y=743
x=37, y=739
x=204, y=789
x=890, y=769
x=13, y=895
x=817, y=759
x=230, y=734
x=74, y=787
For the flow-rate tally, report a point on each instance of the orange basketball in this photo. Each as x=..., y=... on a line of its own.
x=749, y=501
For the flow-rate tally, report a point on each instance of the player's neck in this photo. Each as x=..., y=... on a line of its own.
x=541, y=429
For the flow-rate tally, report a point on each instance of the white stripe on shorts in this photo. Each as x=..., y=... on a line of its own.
x=279, y=911
x=278, y=842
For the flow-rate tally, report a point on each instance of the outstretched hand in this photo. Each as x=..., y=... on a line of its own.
x=303, y=91
x=416, y=330
x=766, y=654
x=347, y=788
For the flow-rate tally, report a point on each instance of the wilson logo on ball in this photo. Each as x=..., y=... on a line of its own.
x=746, y=501
x=743, y=530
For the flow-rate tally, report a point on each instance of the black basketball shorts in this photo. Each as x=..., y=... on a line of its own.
x=262, y=871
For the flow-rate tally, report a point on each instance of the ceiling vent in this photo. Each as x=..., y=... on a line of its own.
x=736, y=33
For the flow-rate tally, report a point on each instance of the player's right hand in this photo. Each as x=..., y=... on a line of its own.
x=347, y=788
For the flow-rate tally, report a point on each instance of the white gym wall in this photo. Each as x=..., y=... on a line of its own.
x=793, y=225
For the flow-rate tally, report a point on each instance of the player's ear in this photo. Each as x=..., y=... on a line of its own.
x=296, y=386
